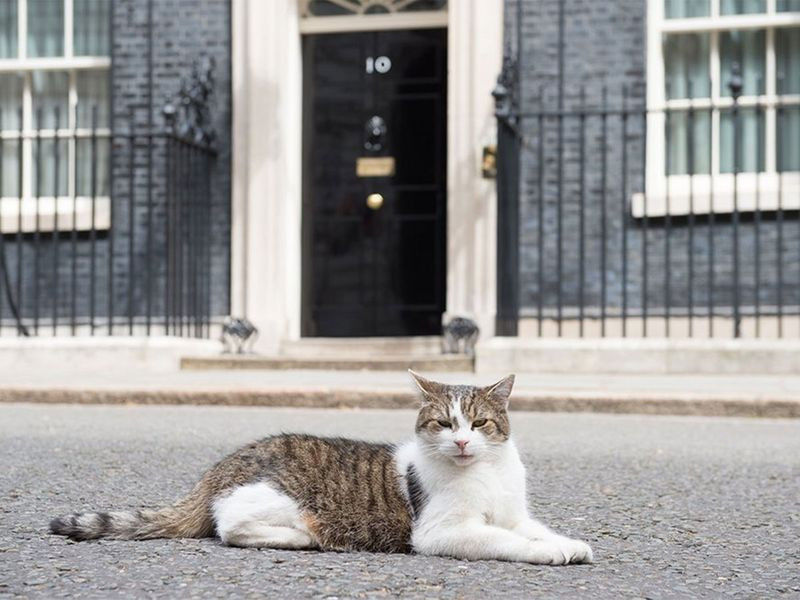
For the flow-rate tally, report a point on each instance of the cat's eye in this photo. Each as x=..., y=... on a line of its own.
x=478, y=423
x=443, y=423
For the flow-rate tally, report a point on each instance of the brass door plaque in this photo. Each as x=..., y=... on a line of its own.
x=375, y=166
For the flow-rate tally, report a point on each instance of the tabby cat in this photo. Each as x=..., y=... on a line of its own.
x=456, y=489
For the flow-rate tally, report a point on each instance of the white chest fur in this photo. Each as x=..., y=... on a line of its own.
x=491, y=491
x=479, y=511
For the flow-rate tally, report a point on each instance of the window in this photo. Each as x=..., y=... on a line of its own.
x=54, y=114
x=694, y=49
x=325, y=8
x=326, y=16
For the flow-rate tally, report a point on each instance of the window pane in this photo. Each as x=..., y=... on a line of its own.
x=86, y=157
x=688, y=153
x=10, y=101
x=92, y=93
x=45, y=28
x=10, y=104
x=686, y=59
x=8, y=28
x=787, y=50
x=328, y=8
x=750, y=141
x=50, y=90
x=789, y=139
x=324, y=8
x=90, y=27
x=49, y=167
x=677, y=9
x=10, y=168
x=748, y=50
x=426, y=5
x=742, y=7
x=788, y=5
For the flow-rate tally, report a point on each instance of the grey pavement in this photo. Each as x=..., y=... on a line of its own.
x=673, y=507
x=124, y=377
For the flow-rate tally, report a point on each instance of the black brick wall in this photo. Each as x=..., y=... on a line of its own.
x=605, y=46
x=183, y=32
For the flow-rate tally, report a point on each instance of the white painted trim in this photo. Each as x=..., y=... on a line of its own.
x=765, y=191
x=69, y=15
x=267, y=203
x=267, y=162
x=765, y=101
x=770, y=117
x=475, y=48
x=714, y=191
x=22, y=29
x=730, y=22
x=403, y=20
x=63, y=133
x=656, y=149
x=58, y=63
x=47, y=209
x=240, y=171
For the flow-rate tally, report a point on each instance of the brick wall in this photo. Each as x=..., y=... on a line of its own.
x=182, y=33
x=605, y=46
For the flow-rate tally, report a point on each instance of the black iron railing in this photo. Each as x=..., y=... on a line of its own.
x=121, y=247
x=596, y=238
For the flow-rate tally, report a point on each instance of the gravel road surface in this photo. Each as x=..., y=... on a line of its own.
x=673, y=507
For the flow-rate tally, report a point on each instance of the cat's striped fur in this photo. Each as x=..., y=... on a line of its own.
x=457, y=489
x=336, y=482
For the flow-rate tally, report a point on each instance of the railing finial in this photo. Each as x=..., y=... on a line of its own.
x=188, y=114
x=504, y=92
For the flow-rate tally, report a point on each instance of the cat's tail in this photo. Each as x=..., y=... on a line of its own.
x=189, y=517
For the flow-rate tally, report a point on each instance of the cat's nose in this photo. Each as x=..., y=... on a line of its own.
x=462, y=444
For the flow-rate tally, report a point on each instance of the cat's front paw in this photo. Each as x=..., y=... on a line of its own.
x=575, y=551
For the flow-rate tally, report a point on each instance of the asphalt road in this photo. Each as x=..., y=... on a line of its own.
x=673, y=507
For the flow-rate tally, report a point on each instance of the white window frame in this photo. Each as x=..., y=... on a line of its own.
x=48, y=213
x=714, y=192
x=360, y=21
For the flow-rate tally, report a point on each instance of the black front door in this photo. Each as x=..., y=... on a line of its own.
x=374, y=204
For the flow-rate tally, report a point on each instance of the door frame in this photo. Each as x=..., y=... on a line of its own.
x=266, y=203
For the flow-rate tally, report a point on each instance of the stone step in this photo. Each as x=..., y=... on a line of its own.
x=430, y=363
x=365, y=347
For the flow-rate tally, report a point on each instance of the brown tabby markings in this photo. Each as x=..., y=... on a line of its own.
x=475, y=403
x=349, y=492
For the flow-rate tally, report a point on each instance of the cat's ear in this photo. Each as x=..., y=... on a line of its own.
x=430, y=389
x=501, y=391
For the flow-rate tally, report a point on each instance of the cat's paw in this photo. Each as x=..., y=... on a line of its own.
x=560, y=551
x=575, y=551
x=550, y=552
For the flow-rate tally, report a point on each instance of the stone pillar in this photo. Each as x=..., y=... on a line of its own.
x=266, y=195
x=475, y=56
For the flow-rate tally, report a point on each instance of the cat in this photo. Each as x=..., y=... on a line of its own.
x=456, y=489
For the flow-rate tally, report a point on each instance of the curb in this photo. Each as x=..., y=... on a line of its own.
x=446, y=363
x=629, y=403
